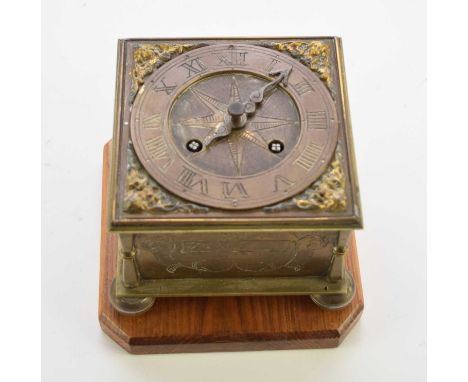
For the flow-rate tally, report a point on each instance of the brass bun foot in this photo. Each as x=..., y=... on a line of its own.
x=129, y=306
x=336, y=301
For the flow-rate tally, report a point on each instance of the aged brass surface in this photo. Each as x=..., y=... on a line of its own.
x=233, y=170
x=187, y=99
x=335, y=301
x=148, y=57
x=233, y=287
x=124, y=217
x=129, y=305
x=315, y=54
x=144, y=194
x=327, y=193
x=209, y=255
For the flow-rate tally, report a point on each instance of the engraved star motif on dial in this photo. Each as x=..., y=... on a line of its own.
x=252, y=132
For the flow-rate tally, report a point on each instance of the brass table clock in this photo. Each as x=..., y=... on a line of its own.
x=232, y=172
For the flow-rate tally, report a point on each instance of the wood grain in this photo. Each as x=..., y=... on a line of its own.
x=206, y=324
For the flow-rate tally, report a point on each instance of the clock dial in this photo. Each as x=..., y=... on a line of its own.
x=246, y=151
x=234, y=126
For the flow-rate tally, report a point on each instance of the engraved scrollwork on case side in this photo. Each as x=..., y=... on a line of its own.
x=148, y=57
x=144, y=195
x=232, y=254
x=327, y=193
x=313, y=54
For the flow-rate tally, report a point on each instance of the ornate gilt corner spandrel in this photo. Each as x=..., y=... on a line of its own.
x=314, y=54
x=328, y=193
x=148, y=57
x=144, y=195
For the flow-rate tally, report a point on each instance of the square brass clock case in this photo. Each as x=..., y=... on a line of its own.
x=173, y=247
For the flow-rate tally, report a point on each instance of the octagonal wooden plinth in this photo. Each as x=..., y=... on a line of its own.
x=176, y=325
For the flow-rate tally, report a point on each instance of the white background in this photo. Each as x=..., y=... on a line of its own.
x=384, y=47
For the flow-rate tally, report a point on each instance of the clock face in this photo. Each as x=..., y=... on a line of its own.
x=234, y=126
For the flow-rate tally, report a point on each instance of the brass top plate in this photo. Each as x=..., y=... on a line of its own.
x=187, y=98
x=327, y=200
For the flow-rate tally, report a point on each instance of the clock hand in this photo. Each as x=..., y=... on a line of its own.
x=234, y=119
x=258, y=95
x=221, y=130
x=238, y=112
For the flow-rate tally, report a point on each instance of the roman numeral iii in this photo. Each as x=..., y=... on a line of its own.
x=309, y=156
x=316, y=120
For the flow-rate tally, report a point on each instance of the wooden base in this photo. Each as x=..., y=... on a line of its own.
x=202, y=324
